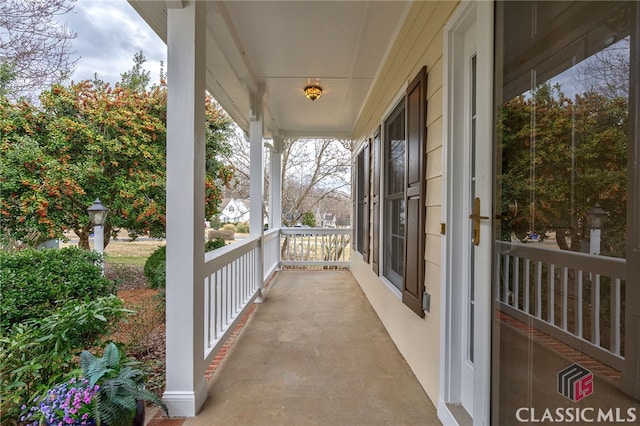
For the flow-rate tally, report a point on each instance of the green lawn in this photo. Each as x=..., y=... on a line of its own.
x=127, y=260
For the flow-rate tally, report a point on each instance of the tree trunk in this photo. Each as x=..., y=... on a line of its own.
x=85, y=231
x=561, y=239
x=83, y=235
x=575, y=240
x=107, y=234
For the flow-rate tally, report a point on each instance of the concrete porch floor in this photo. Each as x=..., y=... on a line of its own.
x=314, y=353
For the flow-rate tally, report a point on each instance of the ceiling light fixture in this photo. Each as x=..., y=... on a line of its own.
x=312, y=92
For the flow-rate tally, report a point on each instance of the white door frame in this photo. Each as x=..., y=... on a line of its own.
x=451, y=340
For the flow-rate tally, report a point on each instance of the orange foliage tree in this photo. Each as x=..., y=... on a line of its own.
x=89, y=140
x=556, y=167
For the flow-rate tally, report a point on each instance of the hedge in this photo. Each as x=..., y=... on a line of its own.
x=155, y=268
x=37, y=282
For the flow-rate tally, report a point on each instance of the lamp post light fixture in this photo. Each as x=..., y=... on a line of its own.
x=595, y=219
x=98, y=216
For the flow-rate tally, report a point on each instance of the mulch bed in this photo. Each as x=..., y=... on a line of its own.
x=144, y=332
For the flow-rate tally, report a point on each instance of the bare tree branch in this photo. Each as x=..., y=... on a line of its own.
x=34, y=46
x=315, y=176
x=607, y=72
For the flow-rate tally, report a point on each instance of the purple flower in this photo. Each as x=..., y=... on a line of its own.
x=64, y=404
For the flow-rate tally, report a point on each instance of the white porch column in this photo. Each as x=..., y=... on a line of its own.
x=256, y=172
x=185, y=390
x=256, y=181
x=275, y=184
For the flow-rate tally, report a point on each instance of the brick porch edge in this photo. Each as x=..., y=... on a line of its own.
x=159, y=419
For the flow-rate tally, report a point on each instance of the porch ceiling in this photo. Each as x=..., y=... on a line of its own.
x=287, y=45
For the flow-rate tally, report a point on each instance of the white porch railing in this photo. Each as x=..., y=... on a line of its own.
x=231, y=282
x=315, y=247
x=574, y=297
x=232, y=273
x=271, y=252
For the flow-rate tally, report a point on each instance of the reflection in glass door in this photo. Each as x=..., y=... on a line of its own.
x=563, y=346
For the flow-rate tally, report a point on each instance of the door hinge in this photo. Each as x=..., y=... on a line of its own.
x=426, y=302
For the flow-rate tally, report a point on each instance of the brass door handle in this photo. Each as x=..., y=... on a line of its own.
x=475, y=216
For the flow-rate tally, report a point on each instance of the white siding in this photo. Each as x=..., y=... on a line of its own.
x=420, y=42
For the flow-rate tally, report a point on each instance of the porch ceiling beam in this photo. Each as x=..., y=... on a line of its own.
x=315, y=134
x=174, y=4
x=227, y=37
x=225, y=49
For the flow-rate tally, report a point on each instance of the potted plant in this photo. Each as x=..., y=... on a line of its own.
x=121, y=387
x=110, y=393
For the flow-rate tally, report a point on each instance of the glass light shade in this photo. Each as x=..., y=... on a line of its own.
x=596, y=216
x=97, y=212
x=312, y=92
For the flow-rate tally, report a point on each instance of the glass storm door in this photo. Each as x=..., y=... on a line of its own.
x=566, y=302
x=472, y=230
x=469, y=199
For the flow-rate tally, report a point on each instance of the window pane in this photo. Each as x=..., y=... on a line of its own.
x=396, y=167
x=394, y=219
x=394, y=250
x=360, y=213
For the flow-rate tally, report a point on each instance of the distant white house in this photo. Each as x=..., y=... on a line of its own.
x=328, y=220
x=234, y=210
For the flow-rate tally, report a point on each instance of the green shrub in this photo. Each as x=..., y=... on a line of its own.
x=215, y=222
x=229, y=227
x=225, y=234
x=309, y=219
x=37, y=282
x=242, y=228
x=155, y=268
x=38, y=353
x=214, y=244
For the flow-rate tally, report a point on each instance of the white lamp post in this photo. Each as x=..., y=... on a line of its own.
x=98, y=216
x=595, y=219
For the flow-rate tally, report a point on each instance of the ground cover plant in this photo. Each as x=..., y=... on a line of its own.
x=141, y=335
x=69, y=307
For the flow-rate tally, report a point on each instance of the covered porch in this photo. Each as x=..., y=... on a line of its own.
x=314, y=353
x=386, y=77
x=256, y=59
